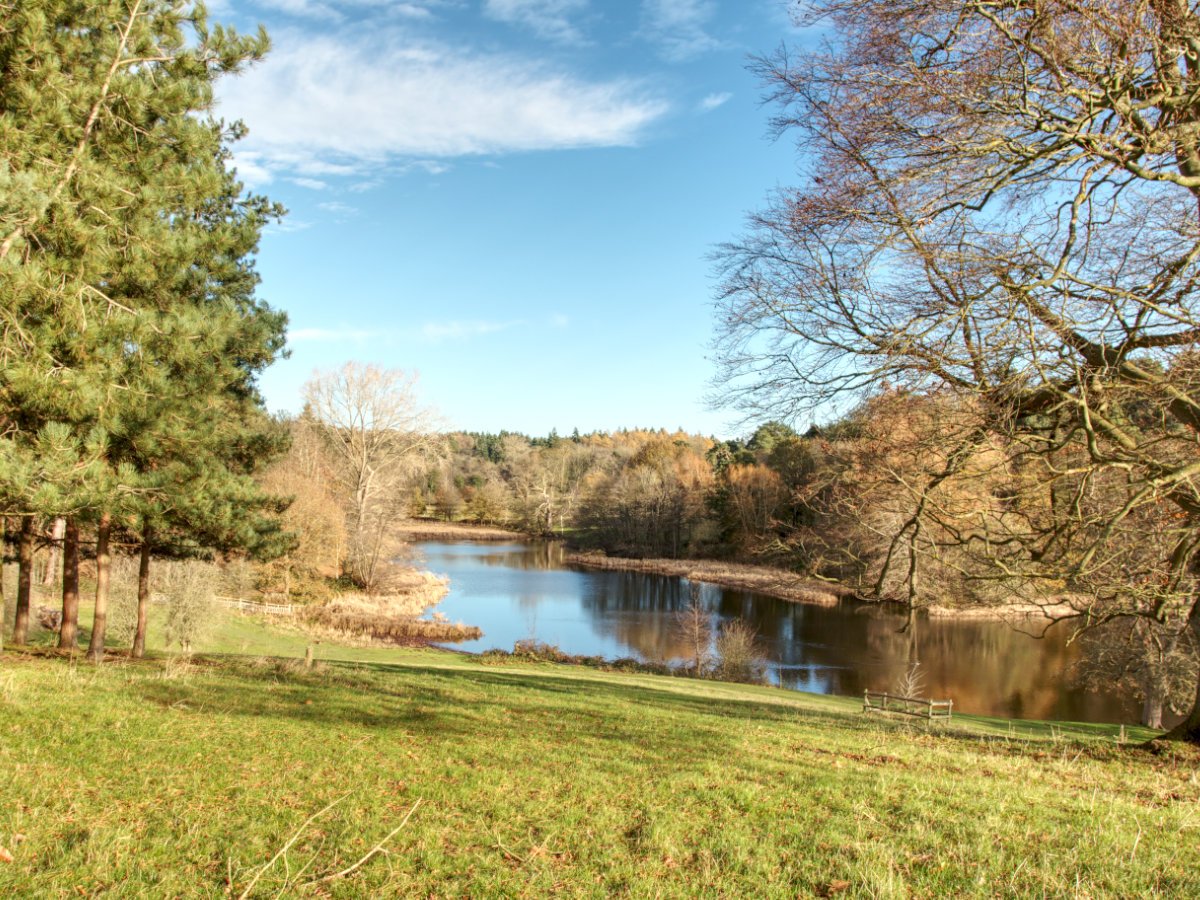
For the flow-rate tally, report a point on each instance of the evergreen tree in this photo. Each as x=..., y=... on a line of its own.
x=133, y=338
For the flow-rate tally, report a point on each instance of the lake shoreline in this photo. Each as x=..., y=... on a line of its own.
x=768, y=580
x=785, y=585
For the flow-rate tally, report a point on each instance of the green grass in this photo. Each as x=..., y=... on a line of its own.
x=157, y=779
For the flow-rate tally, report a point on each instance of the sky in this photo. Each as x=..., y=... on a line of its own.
x=518, y=199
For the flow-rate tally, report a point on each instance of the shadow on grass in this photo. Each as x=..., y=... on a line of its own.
x=455, y=706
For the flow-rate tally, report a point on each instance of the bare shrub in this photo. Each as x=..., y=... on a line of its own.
x=740, y=656
x=122, y=600
x=912, y=682
x=541, y=651
x=188, y=586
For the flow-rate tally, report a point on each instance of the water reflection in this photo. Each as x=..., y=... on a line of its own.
x=514, y=591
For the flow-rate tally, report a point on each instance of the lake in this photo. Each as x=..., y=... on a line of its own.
x=515, y=591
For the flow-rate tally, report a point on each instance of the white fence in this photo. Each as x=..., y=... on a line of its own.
x=248, y=606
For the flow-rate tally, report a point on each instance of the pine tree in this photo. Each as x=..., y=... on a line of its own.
x=133, y=338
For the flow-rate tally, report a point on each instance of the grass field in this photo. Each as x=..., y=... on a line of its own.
x=245, y=773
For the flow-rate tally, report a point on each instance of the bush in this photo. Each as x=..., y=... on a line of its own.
x=122, y=600
x=740, y=657
x=188, y=586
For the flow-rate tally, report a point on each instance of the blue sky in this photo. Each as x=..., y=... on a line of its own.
x=516, y=198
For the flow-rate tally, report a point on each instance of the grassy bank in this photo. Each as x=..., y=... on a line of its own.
x=158, y=779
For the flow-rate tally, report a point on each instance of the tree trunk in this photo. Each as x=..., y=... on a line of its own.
x=143, y=595
x=56, y=535
x=3, y=606
x=103, y=573
x=70, y=591
x=1189, y=729
x=24, y=581
x=1152, y=710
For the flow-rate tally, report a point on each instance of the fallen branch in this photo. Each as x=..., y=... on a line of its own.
x=378, y=848
x=286, y=847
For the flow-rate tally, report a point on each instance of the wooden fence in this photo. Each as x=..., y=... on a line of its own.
x=882, y=701
x=241, y=605
x=254, y=606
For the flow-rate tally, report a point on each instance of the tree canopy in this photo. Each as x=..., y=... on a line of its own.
x=1002, y=215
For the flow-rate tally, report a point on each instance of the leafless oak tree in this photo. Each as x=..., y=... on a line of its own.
x=1003, y=214
x=377, y=429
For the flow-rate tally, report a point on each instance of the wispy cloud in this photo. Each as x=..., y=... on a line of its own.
x=338, y=208
x=353, y=103
x=461, y=330
x=313, y=184
x=287, y=226
x=712, y=101
x=549, y=19
x=679, y=27
x=333, y=10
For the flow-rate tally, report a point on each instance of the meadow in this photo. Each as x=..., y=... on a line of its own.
x=406, y=772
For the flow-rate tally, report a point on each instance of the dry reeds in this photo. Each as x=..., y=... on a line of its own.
x=394, y=617
x=421, y=530
x=762, y=579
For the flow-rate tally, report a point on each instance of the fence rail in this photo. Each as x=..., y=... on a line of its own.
x=243, y=605
x=882, y=701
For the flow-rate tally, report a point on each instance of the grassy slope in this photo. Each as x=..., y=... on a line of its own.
x=149, y=780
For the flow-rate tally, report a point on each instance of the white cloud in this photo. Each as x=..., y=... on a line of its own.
x=355, y=104
x=712, y=101
x=679, y=27
x=456, y=330
x=333, y=9
x=313, y=184
x=338, y=208
x=287, y=226
x=550, y=19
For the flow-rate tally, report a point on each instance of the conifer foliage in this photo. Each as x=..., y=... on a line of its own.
x=131, y=337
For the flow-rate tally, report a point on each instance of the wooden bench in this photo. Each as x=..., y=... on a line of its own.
x=922, y=707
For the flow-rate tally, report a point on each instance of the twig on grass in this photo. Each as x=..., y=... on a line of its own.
x=378, y=848
x=286, y=847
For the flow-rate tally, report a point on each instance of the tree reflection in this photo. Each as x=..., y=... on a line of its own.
x=985, y=667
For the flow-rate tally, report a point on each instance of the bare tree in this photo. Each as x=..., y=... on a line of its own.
x=377, y=429
x=694, y=626
x=1004, y=215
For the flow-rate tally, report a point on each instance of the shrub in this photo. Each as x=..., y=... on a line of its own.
x=188, y=586
x=740, y=657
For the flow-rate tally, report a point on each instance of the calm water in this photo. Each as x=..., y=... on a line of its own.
x=515, y=591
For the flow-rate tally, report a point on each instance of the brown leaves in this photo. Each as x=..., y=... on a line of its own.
x=831, y=888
